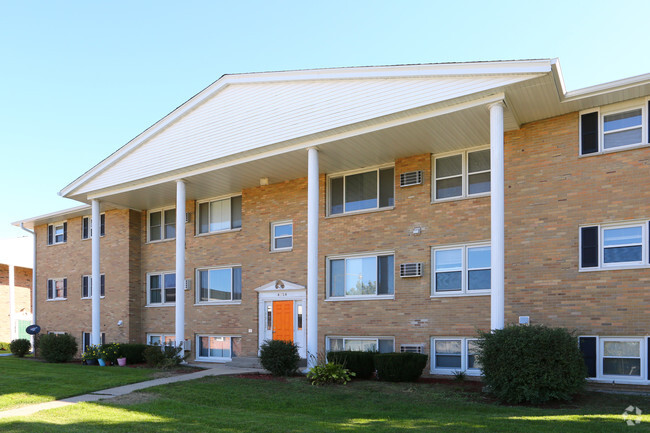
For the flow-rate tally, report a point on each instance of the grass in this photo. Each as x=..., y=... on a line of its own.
x=230, y=404
x=27, y=381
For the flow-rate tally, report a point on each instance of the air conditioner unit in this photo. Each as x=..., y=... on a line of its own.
x=408, y=270
x=187, y=345
x=412, y=348
x=188, y=283
x=410, y=178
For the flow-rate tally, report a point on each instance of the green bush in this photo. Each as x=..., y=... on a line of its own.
x=57, y=347
x=361, y=363
x=110, y=352
x=400, y=367
x=531, y=364
x=164, y=356
x=330, y=372
x=279, y=357
x=20, y=347
x=154, y=356
x=134, y=353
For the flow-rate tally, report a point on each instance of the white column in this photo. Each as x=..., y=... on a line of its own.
x=180, y=262
x=312, y=257
x=96, y=279
x=12, y=301
x=497, y=216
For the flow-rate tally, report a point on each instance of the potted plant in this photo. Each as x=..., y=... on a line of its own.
x=91, y=355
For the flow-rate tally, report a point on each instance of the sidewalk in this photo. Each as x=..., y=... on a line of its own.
x=218, y=370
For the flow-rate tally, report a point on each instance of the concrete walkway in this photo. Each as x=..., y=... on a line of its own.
x=218, y=370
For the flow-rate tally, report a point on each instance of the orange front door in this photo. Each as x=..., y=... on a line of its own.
x=283, y=320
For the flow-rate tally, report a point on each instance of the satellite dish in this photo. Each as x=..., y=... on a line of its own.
x=33, y=329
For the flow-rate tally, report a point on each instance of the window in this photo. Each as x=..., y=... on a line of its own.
x=161, y=339
x=361, y=344
x=57, y=289
x=614, y=246
x=161, y=224
x=461, y=175
x=362, y=191
x=219, y=215
x=161, y=288
x=85, y=340
x=57, y=233
x=218, y=285
x=613, y=128
x=217, y=348
x=454, y=354
x=361, y=276
x=621, y=357
x=463, y=269
x=86, y=286
x=87, y=226
x=282, y=236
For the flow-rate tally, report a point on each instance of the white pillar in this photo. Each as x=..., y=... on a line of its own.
x=312, y=257
x=180, y=262
x=497, y=216
x=12, y=301
x=96, y=279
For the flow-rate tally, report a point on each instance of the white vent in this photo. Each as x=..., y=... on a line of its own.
x=411, y=348
x=188, y=283
x=407, y=270
x=410, y=178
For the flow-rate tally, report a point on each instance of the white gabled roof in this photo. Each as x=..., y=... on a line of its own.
x=240, y=114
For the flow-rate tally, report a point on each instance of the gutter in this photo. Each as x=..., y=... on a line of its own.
x=33, y=233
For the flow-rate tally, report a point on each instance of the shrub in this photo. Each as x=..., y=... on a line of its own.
x=20, y=347
x=134, y=353
x=531, y=364
x=329, y=372
x=400, y=367
x=153, y=355
x=110, y=352
x=361, y=363
x=57, y=347
x=92, y=352
x=164, y=356
x=279, y=357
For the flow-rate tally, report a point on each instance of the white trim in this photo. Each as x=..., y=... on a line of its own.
x=89, y=218
x=642, y=379
x=345, y=174
x=602, y=266
x=197, y=285
x=162, y=302
x=197, y=222
x=54, y=225
x=161, y=335
x=197, y=357
x=464, y=269
x=363, y=255
x=464, y=353
x=162, y=211
x=359, y=338
x=89, y=277
x=464, y=175
x=273, y=237
x=54, y=297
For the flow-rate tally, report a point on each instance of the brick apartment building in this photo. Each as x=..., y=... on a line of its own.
x=396, y=208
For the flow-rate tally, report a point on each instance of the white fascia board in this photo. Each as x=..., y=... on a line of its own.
x=516, y=67
x=53, y=216
x=610, y=87
x=433, y=112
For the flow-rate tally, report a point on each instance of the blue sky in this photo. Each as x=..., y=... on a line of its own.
x=80, y=79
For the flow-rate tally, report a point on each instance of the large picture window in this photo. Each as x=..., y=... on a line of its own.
x=464, y=174
x=218, y=285
x=161, y=288
x=361, y=344
x=361, y=276
x=161, y=224
x=217, y=348
x=461, y=269
x=363, y=191
x=219, y=215
x=452, y=354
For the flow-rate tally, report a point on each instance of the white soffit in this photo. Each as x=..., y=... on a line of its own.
x=246, y=117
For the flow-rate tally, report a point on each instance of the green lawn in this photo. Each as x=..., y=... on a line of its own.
x=229, y=404
x=26, y=381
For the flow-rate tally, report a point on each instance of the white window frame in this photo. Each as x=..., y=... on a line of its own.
x=90, y=289
x=464, y=290
x=90, y=226
x=198, y=357
x=351, y=173
x=55, y=298
x=210, y=200
x=273, y=237
x=162, y=224
x=600, y=377
x=63, y=227
x=464, y=175
x=161, y=336
x=356, y=256
x=197, y=279
x=162, y=302
x=358, y=338
x=608, y=110
x=602, y=266
x=464, y=357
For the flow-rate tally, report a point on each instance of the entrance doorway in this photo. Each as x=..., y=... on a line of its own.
x=283, y=320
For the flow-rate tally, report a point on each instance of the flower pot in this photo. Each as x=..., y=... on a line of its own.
x=121, y=362
x=102, y=363
x=91, y=362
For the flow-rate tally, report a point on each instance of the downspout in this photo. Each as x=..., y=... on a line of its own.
x=33, y=233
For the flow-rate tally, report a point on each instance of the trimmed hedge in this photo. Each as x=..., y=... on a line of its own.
x=134, y=353
x=279, y=357
x=362, y=364
x=57, y=347
x=400, y=367
x=20, y=347
x=531, y=364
